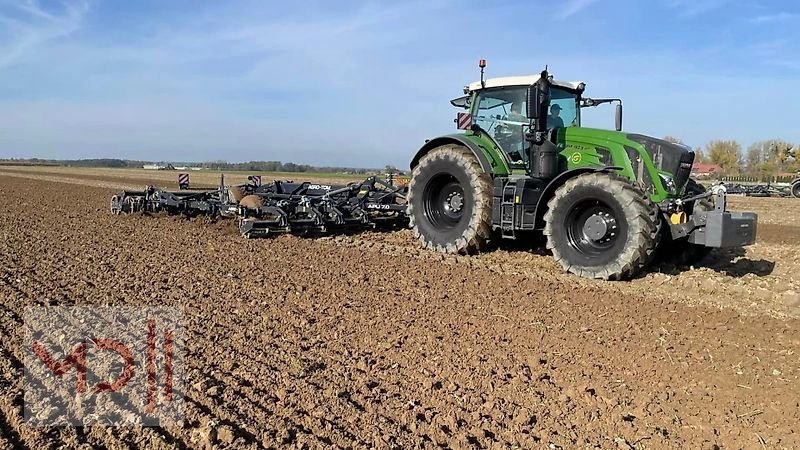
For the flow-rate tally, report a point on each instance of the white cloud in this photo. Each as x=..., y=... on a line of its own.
x=29, y=25
x=694, y=8
x=776, y=17
x=573, y=7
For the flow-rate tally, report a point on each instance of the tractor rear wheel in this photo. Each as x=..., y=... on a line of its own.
x=450, y=201
x=599, y=225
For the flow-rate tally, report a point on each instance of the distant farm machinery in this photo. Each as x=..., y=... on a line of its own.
x=281, y=206
x=765, y=190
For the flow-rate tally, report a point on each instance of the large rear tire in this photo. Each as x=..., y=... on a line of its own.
x=599, y=225
x=450, y=201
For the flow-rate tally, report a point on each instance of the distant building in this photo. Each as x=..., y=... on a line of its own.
x=706, y=170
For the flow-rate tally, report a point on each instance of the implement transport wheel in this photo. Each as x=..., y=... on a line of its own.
x=450, y=201
x=599, y=225
x=683, y=252
x=116, y=205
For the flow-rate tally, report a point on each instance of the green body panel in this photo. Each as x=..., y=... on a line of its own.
x=579, y=146
x=492, y=151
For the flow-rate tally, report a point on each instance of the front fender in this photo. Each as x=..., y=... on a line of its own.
x=492, y=160
x=550, y=190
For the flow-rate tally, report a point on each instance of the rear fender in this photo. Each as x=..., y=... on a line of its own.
x=491, y=160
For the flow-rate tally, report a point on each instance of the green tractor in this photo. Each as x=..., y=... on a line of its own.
x=605, y=200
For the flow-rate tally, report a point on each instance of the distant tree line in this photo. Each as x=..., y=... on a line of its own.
x=761, y=159
x=250, y=166
x=95, y=162
x=278, y=166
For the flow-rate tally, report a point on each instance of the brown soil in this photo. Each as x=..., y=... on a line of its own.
x=366, y=341
x=779, y=234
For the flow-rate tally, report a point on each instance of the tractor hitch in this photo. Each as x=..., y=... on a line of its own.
x=717, y=227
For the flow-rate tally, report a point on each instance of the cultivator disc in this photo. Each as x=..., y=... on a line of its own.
x=281, y=206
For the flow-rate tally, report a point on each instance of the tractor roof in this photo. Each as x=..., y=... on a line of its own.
x=524, y=80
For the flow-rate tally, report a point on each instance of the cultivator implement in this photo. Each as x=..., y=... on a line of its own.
x=154, y=200
x=281, y=206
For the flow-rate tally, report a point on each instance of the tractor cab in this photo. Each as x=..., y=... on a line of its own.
x=498, y=107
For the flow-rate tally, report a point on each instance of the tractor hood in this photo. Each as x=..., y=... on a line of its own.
x=645, y=154
x=667, y=157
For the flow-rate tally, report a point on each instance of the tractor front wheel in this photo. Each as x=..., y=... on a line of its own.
x=450, y=201
x=599, y=225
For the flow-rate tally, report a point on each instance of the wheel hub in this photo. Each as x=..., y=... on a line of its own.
x=445, y=202
x=454, y=202
x=600, y=227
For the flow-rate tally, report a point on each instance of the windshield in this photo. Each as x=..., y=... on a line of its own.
x=563, y=111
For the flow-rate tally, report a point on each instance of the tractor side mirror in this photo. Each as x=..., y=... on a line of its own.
x=533, y=102
x=618, y=117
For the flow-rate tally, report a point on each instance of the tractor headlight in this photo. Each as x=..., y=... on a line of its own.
x=667, y=182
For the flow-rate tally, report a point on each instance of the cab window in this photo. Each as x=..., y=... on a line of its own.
x=501, y=112
x=563, y=111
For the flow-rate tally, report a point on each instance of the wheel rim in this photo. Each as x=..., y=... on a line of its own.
x=796, y=190
x=444, y=201
x=593, y=228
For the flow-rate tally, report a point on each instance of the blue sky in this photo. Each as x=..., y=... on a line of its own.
x=364, y=83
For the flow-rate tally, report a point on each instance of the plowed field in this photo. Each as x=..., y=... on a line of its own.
x=366, y=341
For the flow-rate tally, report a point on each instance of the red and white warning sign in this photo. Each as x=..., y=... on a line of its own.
x=464, y=121
x=255, y=180
x=183, y=181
